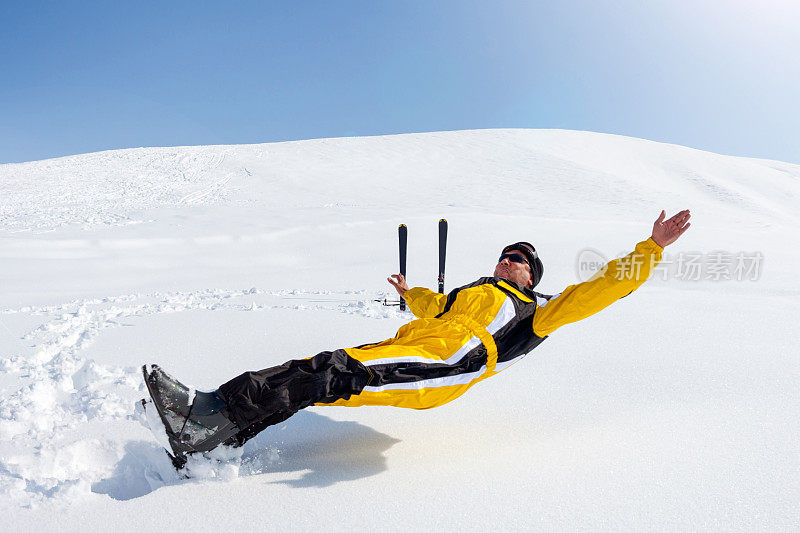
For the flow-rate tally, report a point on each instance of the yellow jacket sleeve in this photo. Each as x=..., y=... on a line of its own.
x=425, y=303
x=618, y=278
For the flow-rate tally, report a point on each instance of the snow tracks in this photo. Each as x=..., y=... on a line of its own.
x=67, y=423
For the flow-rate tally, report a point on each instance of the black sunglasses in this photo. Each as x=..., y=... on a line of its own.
x=514, y=258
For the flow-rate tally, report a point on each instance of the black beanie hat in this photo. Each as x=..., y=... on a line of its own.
x=527, y=249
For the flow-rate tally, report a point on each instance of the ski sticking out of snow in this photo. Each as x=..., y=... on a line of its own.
x=402, y=234
x=442, y=252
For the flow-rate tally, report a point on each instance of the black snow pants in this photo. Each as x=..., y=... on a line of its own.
x=256, y=400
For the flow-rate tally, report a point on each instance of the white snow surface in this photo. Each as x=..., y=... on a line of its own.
x=676, y=408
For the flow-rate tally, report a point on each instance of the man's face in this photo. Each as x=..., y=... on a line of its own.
x=519, y=273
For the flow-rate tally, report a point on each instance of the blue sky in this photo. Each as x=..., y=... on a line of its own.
x=88, y=76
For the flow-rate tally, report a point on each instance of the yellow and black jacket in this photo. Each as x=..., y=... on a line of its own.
x=458, y=339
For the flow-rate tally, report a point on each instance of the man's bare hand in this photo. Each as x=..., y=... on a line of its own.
x=399, y=283
x=667, y=232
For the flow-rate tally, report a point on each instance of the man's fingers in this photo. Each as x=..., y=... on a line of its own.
x=665, y=233
x=680, y=218
x=396, y=279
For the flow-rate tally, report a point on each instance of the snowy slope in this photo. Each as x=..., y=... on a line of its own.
x=676, y=408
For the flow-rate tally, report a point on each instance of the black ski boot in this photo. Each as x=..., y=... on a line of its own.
x=194, y=421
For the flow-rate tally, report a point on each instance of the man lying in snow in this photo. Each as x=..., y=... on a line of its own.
x=457, y=340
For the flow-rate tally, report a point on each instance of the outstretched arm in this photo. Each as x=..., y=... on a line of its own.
x=617, y=279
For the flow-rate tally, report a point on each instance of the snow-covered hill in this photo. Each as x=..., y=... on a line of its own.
x=676, y=408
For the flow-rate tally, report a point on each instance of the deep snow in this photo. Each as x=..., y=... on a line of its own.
x=675, y=408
